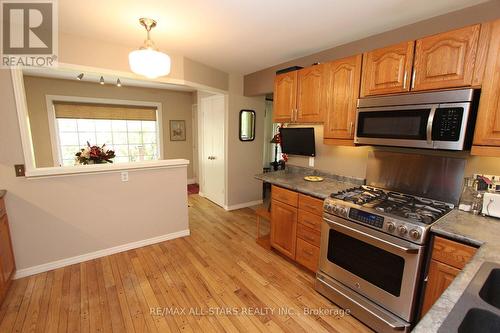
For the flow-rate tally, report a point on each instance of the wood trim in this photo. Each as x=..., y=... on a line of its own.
x=485, y=151
x=481, y=54
x=339, y=142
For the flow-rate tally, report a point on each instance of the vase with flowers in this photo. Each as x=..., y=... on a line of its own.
x=94, y=155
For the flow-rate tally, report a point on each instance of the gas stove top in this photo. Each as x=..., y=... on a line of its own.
x=402, y=215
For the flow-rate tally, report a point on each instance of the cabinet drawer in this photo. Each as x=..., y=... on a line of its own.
x=311, y=236
x=310, y=220
x=307, y=255
x=310, y=204
x=452, y=253
x=2, y=207
x=286, y=196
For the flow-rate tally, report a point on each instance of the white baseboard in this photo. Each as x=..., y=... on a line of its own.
x=191, y=181
x=243, y=205
x=97, y=254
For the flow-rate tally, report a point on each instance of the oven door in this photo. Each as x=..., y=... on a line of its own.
x=381, y=267
x=404, y=126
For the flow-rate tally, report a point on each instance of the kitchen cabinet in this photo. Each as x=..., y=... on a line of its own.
x=445, y=60
x=7, y=263
x=285, y=97
x=296, y=226
x=297, y=96
x=283, y=228
x=447, y=260
x=487, y=131
x=387, y=70
x=342, y=83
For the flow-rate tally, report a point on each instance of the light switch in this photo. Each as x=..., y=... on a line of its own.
x=124, y=176
x=311, y=161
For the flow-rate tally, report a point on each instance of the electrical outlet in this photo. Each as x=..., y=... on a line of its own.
x=311, y=161
x=20, y=170
x=124, y=176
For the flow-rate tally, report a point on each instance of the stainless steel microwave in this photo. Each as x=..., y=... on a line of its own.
x=432, y=120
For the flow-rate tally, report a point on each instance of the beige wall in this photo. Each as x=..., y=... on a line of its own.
x=176, y=105
x=351, y=161
x=261, y=82
x=244, y=158
x=49, y=218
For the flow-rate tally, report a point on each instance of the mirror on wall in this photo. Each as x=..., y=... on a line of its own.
x=87, y=118
x=247, y=125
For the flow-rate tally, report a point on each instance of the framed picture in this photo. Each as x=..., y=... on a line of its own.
x=177, y=130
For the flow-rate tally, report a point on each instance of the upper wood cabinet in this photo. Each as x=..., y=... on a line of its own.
x=487, y=133
x=309, y=88
x=297, y=96
x=342, y=83
x=285, y=97
x=387, y=70
x=446, y=60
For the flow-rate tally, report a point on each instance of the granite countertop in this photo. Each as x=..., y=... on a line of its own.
x=2, y=193
x=470, y=229
x=293, y=178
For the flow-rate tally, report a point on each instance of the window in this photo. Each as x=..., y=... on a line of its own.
x=133, y=132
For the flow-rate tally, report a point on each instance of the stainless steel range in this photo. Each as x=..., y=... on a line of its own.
x=373, y=237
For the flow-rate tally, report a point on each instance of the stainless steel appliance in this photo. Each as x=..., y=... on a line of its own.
x=373, y=238
x=433, y=120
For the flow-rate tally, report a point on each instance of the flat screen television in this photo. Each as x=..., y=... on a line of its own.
x=298, y=141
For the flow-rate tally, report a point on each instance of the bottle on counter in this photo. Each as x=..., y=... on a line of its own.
x=477, y=204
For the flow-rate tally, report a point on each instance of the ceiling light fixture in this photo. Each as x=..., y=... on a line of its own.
x=118, y=82
x=80, y=76
x=101, y=80
x=148, y=61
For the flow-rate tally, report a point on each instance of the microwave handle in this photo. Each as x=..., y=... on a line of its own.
x=430, y=122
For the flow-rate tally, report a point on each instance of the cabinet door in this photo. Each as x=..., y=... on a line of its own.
x=446, y=60
x=343, y=81
x=440, y=277
x=283, y=228
x=309, y=87
x=285, y=94
x=387, y=70
x=487, y=131
x=7, y=266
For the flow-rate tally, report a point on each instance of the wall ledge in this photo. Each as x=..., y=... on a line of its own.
x=104, y=168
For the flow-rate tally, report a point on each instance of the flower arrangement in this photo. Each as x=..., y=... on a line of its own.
x=94, y=155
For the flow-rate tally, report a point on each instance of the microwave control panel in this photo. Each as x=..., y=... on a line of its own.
x=447, y=124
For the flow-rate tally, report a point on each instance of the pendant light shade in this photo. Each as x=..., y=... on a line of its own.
x=148, y=61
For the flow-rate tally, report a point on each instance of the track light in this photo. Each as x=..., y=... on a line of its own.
x=80, y=76
x=101, y=81
x=118, y=83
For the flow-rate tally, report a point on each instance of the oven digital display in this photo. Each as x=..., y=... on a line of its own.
x=367, y=218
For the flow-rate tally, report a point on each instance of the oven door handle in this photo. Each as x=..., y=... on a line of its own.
x=409, y=250
x=430, y=123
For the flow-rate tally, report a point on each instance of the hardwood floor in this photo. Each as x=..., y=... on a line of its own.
x=217, y=276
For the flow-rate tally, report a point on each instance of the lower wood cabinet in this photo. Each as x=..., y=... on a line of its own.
x=296, y=226
x=7, y=264
x=448, y=259
x=283, y=228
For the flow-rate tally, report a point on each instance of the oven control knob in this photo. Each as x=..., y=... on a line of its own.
x=415, y=234
x=402, y=230
x=343, y=211
x=391, y=227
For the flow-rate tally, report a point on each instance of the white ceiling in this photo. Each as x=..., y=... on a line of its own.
x=243, y=36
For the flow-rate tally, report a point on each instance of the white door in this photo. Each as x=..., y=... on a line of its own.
x=212, y=148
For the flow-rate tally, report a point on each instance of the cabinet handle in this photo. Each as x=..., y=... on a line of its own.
x=404, y=79
x=413, y=76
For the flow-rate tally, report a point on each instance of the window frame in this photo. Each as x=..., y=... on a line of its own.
x=54, y=130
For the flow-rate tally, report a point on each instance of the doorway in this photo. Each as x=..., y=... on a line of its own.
x=212, y=159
